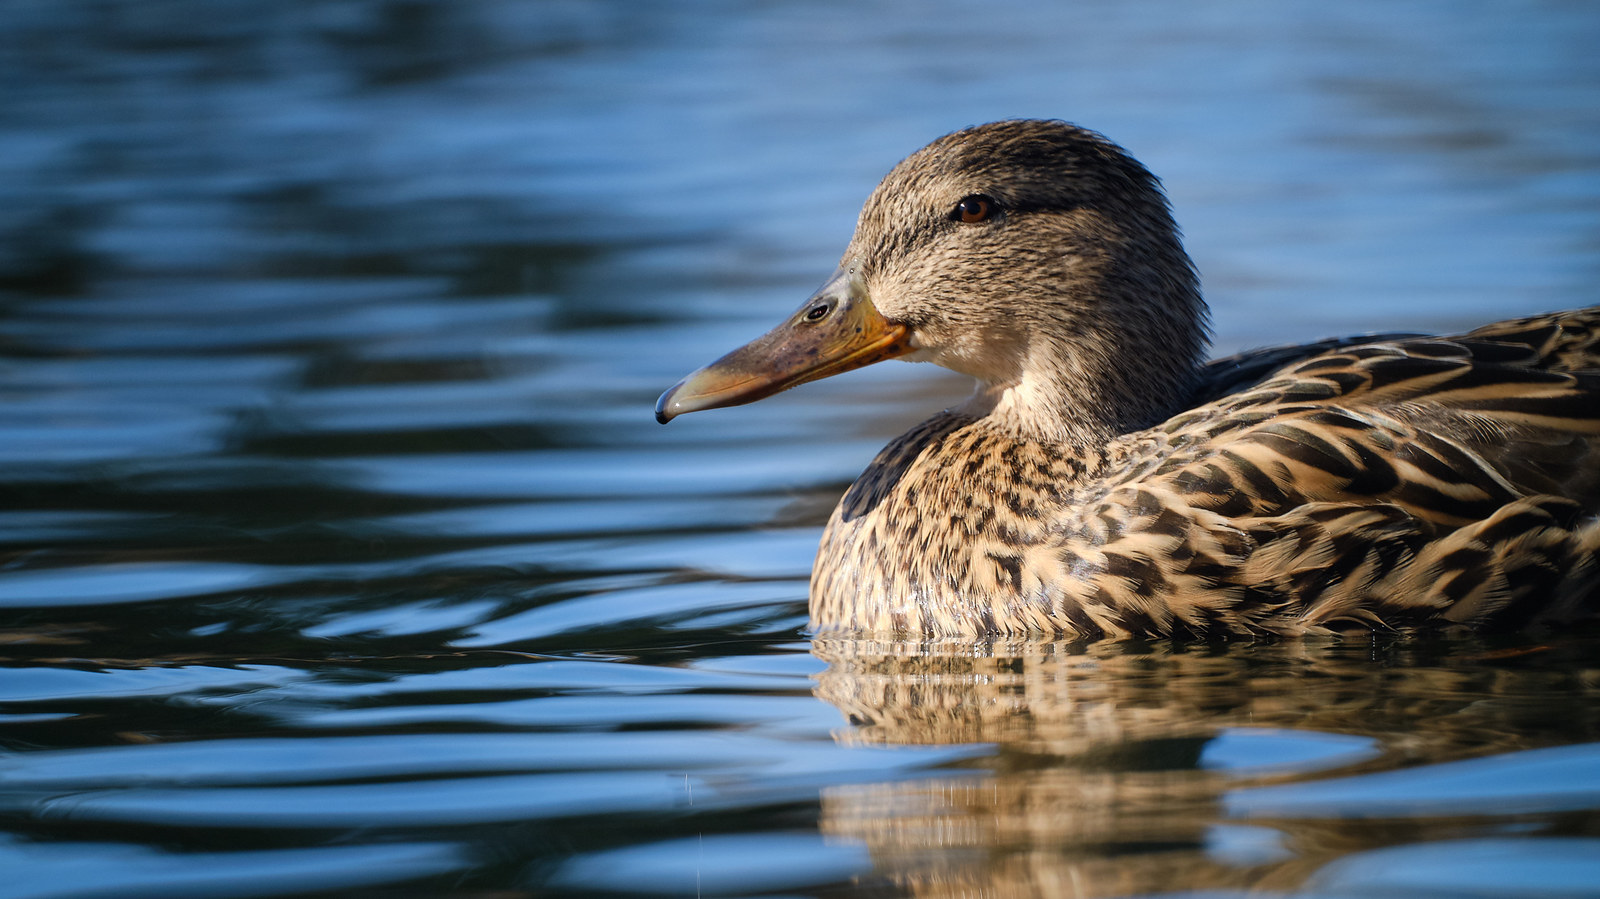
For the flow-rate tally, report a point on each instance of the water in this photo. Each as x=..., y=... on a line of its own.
x=339, y=553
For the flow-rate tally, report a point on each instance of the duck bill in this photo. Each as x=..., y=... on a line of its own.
x=850, y=334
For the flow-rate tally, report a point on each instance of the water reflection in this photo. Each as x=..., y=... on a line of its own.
x=1122, y=769
x=339, y=551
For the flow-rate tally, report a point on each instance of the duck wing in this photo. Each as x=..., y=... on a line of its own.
x=1231, y=374
x=1444, y=424
x=1389, y=480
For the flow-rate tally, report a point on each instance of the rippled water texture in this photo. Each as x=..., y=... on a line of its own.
x=339, y=553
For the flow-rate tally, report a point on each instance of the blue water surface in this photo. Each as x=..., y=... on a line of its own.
x=340, y=554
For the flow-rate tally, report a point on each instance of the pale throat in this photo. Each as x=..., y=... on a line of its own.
x=1047, y=400
x=1032, y=390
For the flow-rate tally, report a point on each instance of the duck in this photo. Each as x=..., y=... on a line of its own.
x=1105, y=481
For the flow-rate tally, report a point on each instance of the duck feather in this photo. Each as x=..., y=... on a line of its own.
x=1103, y=482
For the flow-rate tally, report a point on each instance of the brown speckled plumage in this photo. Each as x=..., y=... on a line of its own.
x=1103, y=482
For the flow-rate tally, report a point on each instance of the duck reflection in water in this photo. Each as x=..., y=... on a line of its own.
x=1104, y=481
x=1110, y=770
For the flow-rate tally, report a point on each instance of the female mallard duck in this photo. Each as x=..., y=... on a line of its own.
x=1104, y=482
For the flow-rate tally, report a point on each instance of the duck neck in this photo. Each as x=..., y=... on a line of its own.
x=1107, y=380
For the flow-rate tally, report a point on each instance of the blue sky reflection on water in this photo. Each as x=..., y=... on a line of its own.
x=339, y=550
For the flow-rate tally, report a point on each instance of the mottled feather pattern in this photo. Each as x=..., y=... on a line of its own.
x=1360, y=487
x=1105, y=481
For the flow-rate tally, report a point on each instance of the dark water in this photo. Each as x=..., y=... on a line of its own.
x=339, y=553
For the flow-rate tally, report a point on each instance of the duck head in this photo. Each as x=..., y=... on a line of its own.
x=1035, y=256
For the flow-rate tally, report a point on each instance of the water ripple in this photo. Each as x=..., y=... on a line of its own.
x=340, y=552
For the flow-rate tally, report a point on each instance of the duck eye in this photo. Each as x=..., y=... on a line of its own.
x=818, y=312
x=974, y=209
